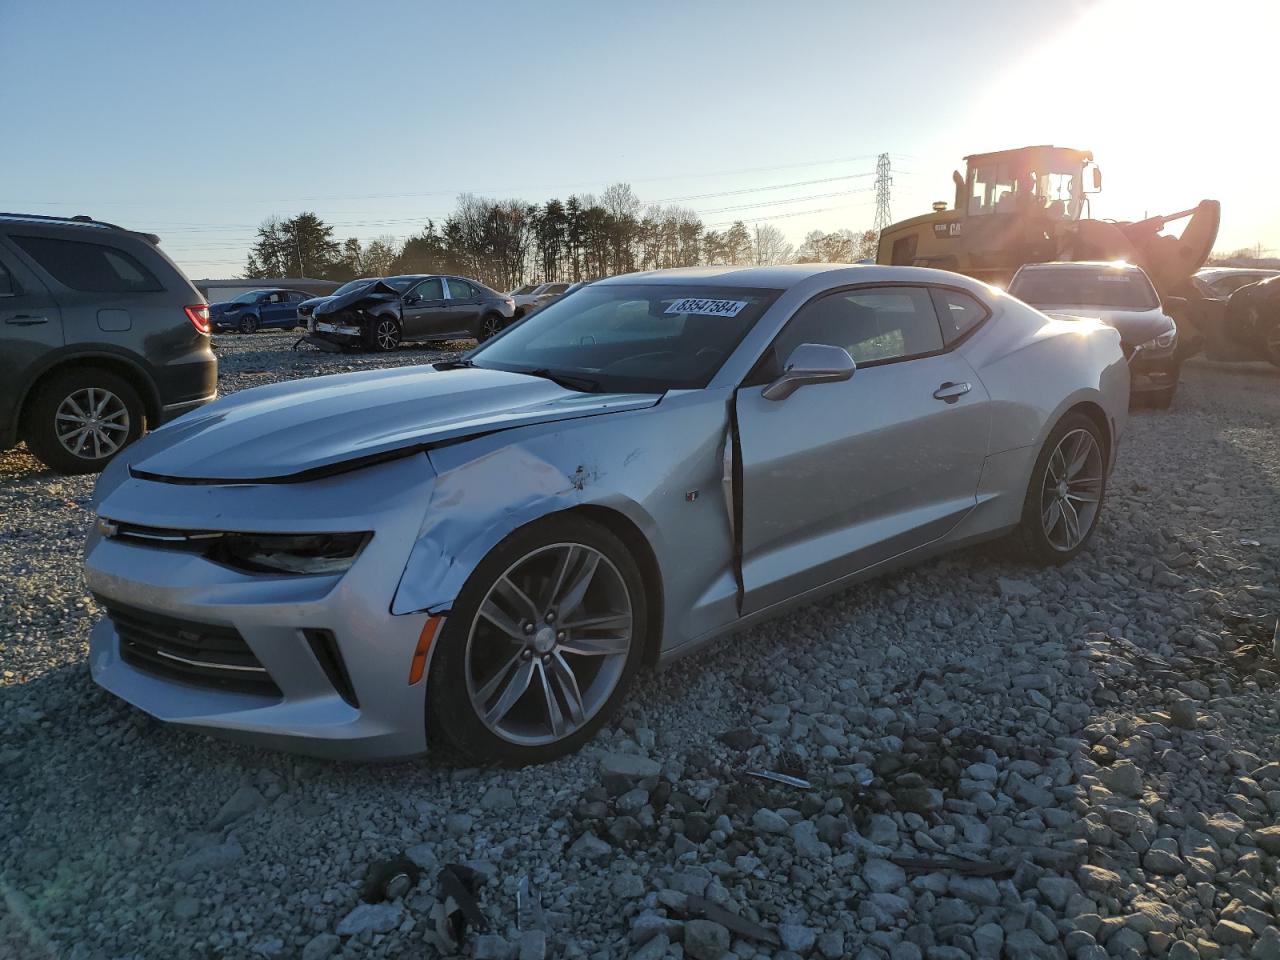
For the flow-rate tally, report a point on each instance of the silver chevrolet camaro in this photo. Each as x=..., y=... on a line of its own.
x=478, y=555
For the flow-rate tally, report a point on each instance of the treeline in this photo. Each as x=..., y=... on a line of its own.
x=508, y=242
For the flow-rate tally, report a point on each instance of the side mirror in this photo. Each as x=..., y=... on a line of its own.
x=411, y=299
x=1172, y=304
x=811, y=363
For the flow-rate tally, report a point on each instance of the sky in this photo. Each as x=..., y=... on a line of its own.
x=197, y=120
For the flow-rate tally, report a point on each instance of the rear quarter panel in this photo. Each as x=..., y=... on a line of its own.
x=1036, y=369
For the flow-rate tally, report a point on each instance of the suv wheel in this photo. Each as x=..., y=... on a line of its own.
x=248, y=324
x=80, y=419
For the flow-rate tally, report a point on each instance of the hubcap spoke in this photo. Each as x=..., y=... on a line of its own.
x=491, y=612
x=570, y=596
x=512, y=692
x=567, y=683
x=516, y=598
x=597, y=646
x=601, y=622
x=555, y=717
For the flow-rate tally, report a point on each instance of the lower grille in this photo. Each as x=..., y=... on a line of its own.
x=197, y=653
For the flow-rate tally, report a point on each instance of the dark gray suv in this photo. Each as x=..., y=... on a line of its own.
x=101, y=337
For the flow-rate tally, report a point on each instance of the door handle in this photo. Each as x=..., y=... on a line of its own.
x=951, y=392
x=25, y=320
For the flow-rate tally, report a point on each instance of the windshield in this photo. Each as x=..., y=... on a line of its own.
x=401, y=284
x=521, y=291
x=250, y=297
x=1075, y=287
x=632, y=337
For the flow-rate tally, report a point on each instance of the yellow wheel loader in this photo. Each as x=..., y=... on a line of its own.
x=1031, y=205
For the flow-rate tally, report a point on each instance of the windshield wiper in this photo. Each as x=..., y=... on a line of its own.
x=567, y=380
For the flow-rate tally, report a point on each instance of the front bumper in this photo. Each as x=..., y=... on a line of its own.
x=1152, y=371
x=301, y=708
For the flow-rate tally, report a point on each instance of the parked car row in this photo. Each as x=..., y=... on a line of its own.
x=380, y=314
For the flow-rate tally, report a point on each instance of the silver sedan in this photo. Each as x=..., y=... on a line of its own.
x=479, y=555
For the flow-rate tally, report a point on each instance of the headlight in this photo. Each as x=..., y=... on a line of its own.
x=1162, y=342
x=288, y=553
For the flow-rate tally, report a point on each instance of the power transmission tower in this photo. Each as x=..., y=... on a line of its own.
x=883, y=182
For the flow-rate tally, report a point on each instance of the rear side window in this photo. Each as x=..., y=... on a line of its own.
x=8, y=288
x=958, y=313
x=460, y=290
x=91, y=267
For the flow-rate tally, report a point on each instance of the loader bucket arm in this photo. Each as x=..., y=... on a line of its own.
x=1169, y=261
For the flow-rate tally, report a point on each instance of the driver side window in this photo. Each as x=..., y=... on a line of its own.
x=430, y=289
x=876, y=325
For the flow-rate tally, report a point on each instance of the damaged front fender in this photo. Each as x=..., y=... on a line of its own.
x=659, y=469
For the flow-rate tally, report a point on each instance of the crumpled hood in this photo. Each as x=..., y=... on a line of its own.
x=296, y=430
x=374, y=292
x=1135, y=326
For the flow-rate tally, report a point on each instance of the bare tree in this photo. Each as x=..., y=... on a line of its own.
x=770, y=246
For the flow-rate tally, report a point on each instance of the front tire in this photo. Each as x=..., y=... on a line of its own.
x=80, y=419
x=248, y=324
x=1065, y=495
x=540, y=648
x=384, y=334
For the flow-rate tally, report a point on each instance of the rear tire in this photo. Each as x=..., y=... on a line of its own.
x=248, y=324
x=80, y=419
x=1066, y=492
x=491, y=324
x=499, y=692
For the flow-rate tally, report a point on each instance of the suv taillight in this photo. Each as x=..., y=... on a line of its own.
x=198, y=314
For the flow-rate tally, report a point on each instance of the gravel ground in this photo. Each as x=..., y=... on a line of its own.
x=1001, y=760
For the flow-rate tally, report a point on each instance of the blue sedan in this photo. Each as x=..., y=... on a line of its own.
x=258, y=309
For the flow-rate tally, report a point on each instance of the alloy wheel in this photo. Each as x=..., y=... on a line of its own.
x=1071, y=492
x=492, y=327
x=388, y=335
x=549, y=644
x=92, y=423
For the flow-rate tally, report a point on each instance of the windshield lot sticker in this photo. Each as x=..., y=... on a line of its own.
x=707, y=308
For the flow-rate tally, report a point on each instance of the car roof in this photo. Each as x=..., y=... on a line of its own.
x=1123, y=265
x=79, y=222
x=1237, y=271
x=785, y=276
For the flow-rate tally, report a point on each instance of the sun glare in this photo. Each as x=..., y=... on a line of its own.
x=1171, y=97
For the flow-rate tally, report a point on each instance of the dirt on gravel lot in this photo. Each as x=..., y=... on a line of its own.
x=1076, y=762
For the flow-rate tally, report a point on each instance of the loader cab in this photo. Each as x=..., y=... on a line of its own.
x=1040, y=182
